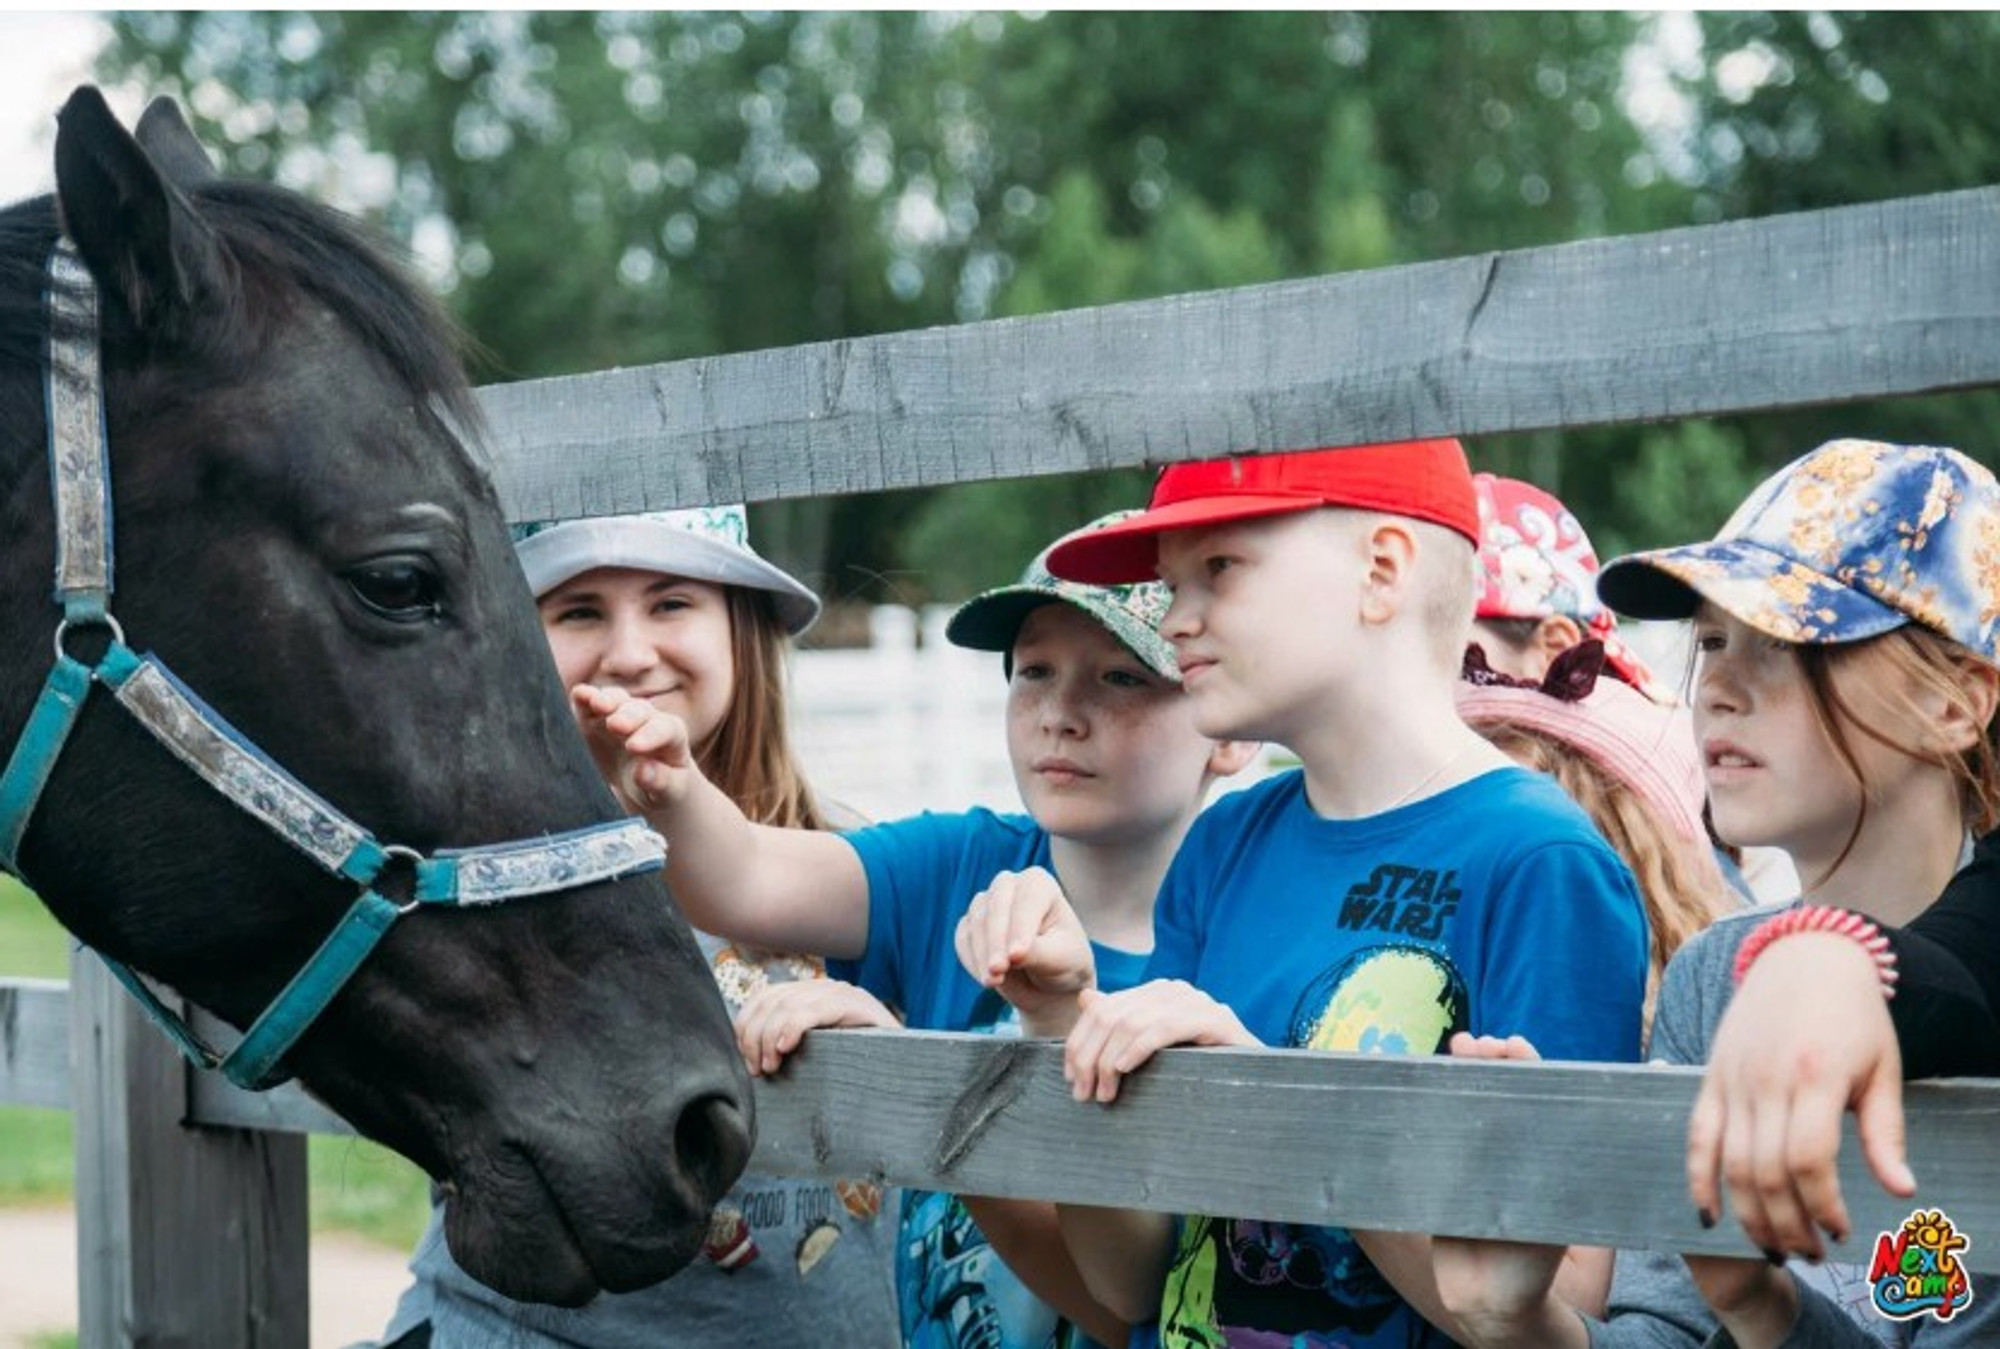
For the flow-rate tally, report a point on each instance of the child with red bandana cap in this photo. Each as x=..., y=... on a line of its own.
x=1538, y=599
x=1538, y=592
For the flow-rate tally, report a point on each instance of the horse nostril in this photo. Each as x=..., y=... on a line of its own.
x=712, y=1144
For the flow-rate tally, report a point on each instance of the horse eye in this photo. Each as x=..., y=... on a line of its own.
x=400, y=588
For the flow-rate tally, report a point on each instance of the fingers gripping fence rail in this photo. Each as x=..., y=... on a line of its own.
x=191, y=1195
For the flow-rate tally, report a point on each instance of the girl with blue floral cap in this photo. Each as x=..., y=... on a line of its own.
x=677, y=611
x=1847, y=630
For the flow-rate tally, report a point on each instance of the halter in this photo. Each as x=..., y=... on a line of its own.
x=173, y=714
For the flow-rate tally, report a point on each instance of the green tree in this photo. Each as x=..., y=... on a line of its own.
x=1804, y=111
x=595, y=190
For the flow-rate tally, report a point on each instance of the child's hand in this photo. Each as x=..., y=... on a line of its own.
x=641, y=751
x=1021, y=937
x=776, y=1017
x=1464, y=1046
x=1806, y=1037
x=1118, y=1032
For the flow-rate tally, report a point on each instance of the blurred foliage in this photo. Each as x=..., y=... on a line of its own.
x=595, y=190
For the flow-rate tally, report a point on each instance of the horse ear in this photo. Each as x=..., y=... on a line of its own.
x=138, y=234
x=167, y=140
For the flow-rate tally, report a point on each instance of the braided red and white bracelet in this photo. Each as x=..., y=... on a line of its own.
x=1820, y=918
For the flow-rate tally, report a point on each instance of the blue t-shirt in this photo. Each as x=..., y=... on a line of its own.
x=1493, y=907
x=923, y=874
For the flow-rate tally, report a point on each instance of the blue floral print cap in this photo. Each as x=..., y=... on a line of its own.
x=1131, y=613
x=1853, y=540
x=703, y=543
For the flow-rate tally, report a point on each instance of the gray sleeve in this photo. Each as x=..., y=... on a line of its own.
x=1695, y=990
x=1821, y=1325
x=1653, y=1304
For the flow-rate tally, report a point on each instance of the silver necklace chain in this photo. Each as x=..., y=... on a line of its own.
x=1427, y=779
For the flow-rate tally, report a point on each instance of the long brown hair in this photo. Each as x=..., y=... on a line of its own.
x=1679, y=880
x=1917, y=661
x=750, y=755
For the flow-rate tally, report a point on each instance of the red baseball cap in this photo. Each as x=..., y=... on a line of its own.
x=1421, y=479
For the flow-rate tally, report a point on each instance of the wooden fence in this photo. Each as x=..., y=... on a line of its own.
x=191, y=1195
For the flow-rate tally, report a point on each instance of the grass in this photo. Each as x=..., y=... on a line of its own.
x=54, y=1339
x=31, y=944
x=355, y=1186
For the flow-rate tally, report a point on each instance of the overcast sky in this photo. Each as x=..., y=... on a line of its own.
x=42, y=57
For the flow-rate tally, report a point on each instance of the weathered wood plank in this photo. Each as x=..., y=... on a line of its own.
x=1533, y=1152
x=1857, y=302
x=213, y=1099
x=187, y=1238
x=1527, y=1152
x=34, y=1043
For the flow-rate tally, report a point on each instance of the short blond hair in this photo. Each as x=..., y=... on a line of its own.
x=1444, y=577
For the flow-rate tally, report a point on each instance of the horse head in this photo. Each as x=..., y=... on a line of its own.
x=302, y=538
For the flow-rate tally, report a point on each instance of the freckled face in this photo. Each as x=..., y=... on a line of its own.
x=1103, y=749
x=1775, y=777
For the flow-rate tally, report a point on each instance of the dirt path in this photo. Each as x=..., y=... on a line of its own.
x=355, y=1283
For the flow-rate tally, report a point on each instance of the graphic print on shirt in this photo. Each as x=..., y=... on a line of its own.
x=1402, y=901
x=955, y=1292
x=1237, y=1283
x=813, y=1210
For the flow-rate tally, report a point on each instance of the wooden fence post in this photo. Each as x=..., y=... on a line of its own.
x=187, y=1237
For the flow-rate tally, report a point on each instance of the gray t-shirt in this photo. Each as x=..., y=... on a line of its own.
x=1654, y=1303
x=788, y=1262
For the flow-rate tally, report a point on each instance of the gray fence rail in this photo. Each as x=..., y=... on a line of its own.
x=196, y=1235
x=1901, y=297
x=1544, y=1152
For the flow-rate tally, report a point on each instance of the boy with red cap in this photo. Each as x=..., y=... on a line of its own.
x=1408, y=881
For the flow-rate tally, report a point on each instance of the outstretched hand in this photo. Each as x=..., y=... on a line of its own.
x=1020, y=937
x=1806, y=1037
x=640, y=750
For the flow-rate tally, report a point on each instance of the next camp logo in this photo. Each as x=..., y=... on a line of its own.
x=1916, y=1271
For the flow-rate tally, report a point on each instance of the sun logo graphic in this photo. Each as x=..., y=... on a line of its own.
x=1916, y=1270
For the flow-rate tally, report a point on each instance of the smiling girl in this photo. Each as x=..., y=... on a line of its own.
x=676, y=611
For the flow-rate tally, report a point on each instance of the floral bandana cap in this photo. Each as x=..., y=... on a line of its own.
x=1131, y=613
x=1535, y=561
x=1848, y=542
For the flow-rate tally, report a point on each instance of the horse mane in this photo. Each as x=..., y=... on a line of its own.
x=274, y=237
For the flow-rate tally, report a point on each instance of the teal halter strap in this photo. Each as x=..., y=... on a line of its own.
x=203, y=740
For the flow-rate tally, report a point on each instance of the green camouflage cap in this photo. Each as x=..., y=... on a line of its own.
x=1131, y=613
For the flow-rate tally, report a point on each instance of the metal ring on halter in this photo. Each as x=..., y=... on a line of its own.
x=63, y=626
x=415, y=859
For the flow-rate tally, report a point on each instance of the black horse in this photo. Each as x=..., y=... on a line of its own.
x=300, y=535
